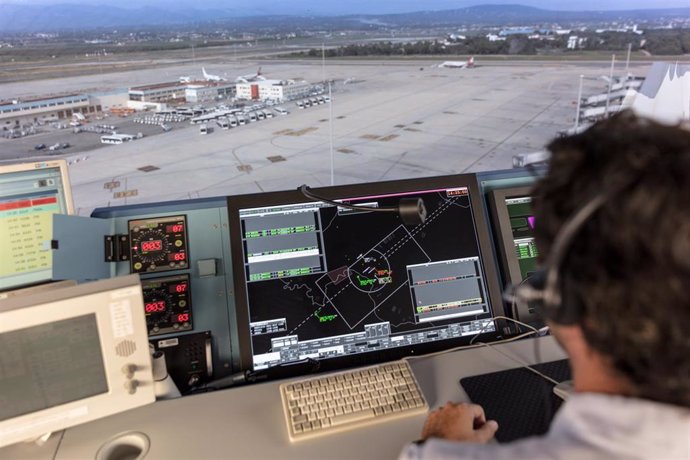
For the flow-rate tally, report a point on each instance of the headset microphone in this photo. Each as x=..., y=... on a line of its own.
x=411, y=210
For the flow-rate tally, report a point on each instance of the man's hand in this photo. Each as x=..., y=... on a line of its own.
x=459, y=422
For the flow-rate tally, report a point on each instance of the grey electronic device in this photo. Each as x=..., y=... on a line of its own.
x=71, y=356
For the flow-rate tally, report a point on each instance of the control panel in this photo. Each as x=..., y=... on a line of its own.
x=158, y=245
x=167, y=304
x=181, y=251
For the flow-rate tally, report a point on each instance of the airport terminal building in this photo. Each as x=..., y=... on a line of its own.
x=18, y=112
x=277, y=90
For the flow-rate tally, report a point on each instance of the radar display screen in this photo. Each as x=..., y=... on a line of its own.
x=322, y=282
x=158, y=244
x=167, y=304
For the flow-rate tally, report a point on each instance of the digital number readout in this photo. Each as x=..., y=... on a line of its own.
x=167, y=304
x=158, y=244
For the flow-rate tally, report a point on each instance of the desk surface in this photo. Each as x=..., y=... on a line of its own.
x=248, y=422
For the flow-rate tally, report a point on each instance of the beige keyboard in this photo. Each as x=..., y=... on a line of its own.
x=336, y=402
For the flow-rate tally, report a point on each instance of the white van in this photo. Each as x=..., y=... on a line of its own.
x=223, y=123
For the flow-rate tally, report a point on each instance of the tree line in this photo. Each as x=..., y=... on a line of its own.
x=656, y=42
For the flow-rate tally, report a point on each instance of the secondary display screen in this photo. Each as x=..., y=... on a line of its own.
x=49, y=365
x=522, y=226
x=28, y=200
x=325, y=282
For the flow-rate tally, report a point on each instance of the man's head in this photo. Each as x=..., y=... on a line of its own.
x=628, y=268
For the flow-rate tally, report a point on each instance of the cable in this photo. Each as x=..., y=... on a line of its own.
x=467, y=347
x=491, y=346
x=506, y=318
x=471, y=345
x=520, y=362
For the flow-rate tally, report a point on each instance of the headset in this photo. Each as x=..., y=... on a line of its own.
x=543, y=291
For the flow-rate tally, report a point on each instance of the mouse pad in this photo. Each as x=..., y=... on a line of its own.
x=520, y=401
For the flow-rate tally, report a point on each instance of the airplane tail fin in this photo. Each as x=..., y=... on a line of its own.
x=470, y=62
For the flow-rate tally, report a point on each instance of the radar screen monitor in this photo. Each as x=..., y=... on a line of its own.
x=30, y=194
x=318, y=282
x=72, y=355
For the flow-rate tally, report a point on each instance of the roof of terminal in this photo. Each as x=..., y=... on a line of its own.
x=41, y=99
x=171, y=84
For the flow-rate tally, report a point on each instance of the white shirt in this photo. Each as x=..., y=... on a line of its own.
x=588, y=426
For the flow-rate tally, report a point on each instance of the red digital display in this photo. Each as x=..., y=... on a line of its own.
x=177, y=256
x=183, y=318
x=179, y=288
x=154, y=245
x=155, y=307
x=177, y=228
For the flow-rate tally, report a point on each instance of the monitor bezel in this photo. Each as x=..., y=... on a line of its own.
x=503, y=232
x=235, y=203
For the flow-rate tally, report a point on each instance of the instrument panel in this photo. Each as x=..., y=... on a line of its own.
x=167, y=304
x=158, y=245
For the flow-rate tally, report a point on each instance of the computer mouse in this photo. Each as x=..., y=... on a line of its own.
x=564, y=389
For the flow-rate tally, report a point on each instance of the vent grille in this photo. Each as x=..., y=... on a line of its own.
x=125, y=348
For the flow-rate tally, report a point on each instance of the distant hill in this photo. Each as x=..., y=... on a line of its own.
x=519, y=14
x=45, y=18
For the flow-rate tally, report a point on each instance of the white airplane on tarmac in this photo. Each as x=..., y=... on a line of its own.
x=210, y=77
x=458, y=64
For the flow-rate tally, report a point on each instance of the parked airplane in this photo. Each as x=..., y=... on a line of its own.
x=458, y=64
x=210, y=77
x=251, y=77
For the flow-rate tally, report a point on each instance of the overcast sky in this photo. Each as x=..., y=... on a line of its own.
x=362, y=6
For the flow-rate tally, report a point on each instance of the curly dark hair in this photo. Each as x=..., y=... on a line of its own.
x=628, y=268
